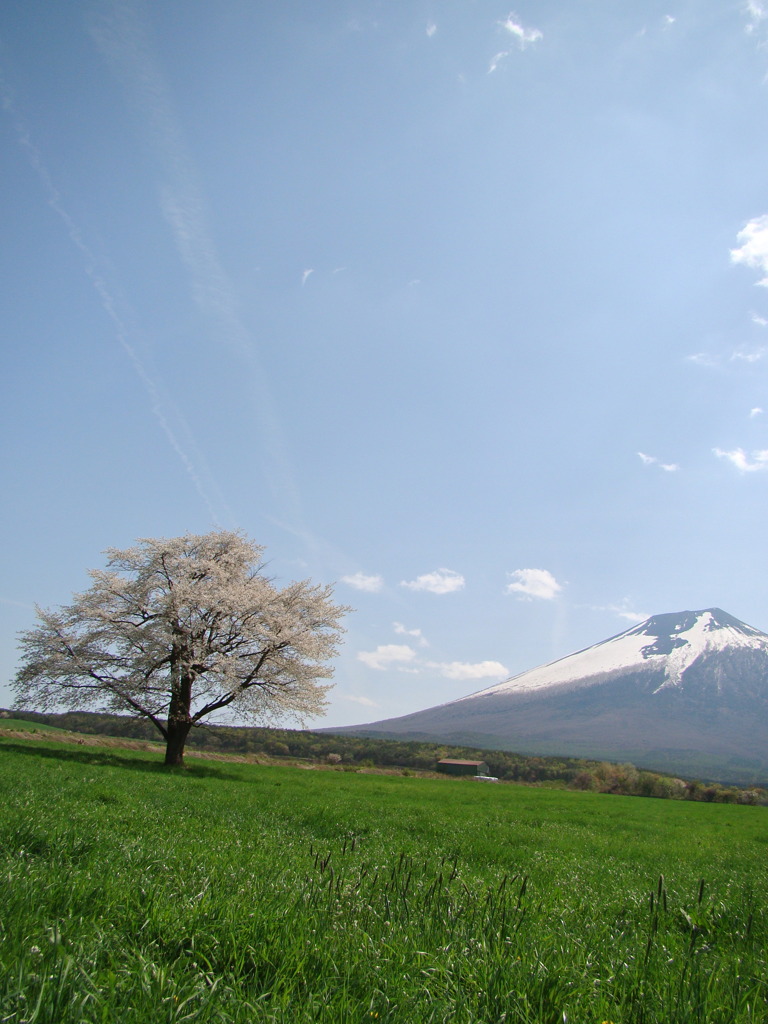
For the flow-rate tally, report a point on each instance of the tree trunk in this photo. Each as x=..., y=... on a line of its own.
x=177, y=737
x=179, y=720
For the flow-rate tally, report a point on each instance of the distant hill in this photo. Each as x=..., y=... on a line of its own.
x=683, y=693
x=22, y=725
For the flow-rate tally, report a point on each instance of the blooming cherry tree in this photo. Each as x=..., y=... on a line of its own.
x=177, y=629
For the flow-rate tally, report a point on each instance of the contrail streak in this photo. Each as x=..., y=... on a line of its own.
x=124, y=40
x=106, y=298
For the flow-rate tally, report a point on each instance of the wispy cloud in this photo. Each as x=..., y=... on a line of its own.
x=758, y=460
x=387, y=656
x=365, y=701
x=759, y=320
x=747, y=355
x=431, y=28
x=359, y=580
x=754, y=413
x=630, y=616
x=742, y=354
x=126, y=43
x=753, y=251
x=756, y=12
x=524, y=36
x=533, y=583
x=443, y=581
x=401, y=630
x=468, y=670
x=651, y=460
x=305, y=275
x=496, y=60
x=124, y=37
x=161, y=405
x=623, y=611
x=704, y=359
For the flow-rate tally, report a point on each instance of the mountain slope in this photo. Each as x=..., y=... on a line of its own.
x=685, y=692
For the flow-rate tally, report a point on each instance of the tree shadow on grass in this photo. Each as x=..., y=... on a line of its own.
x=108, y=759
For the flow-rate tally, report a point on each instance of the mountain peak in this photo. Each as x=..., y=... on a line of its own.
x=676, y=623
x=668, y=644
x=674, y=630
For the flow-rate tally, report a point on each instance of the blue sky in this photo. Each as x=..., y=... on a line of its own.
x=462, y=307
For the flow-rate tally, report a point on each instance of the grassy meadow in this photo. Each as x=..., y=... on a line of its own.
x=20, y=725
x=241, y=893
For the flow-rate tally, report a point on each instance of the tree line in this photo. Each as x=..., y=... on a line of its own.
x=353, y=753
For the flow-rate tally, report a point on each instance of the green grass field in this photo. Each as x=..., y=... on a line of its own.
x=238, y=893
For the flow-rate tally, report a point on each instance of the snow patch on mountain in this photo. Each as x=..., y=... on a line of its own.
x=669, y=644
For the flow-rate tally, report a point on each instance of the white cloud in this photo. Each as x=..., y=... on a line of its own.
x=442, y=581
x=534, y=583
x=669, y=20
x=305, y=275
x=757, y=411
x=651, y=460
x=365, y=701
x=360, y=581
x=431, y=29
x=400, y=629
x=387, y=655
x=525, y=36
x=759, y=320
x=753, y=251
x=756, y=12
x=466, y=670
x=743, y=462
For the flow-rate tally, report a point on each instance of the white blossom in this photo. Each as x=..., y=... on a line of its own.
x=177, y=629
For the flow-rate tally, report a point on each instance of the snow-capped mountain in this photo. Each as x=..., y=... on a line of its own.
x=667, y=644
x=684, y=692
